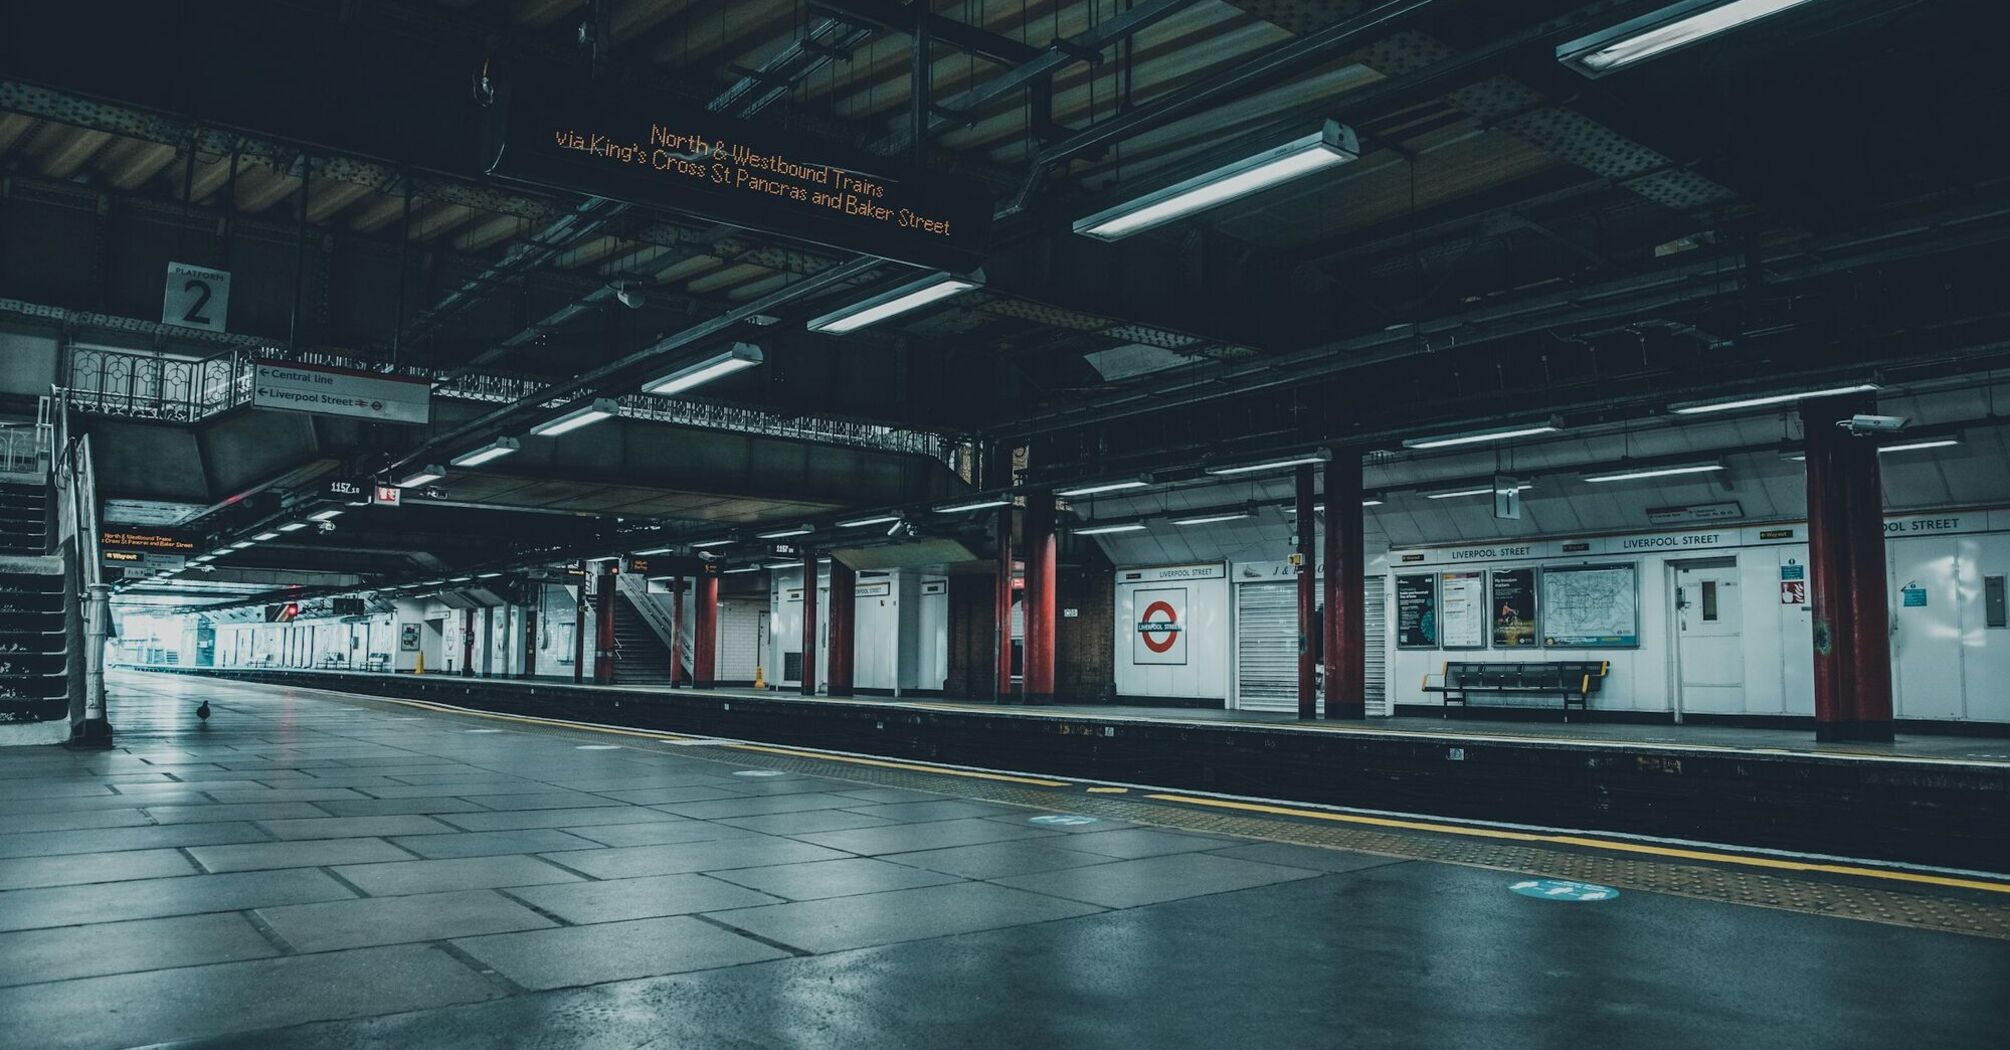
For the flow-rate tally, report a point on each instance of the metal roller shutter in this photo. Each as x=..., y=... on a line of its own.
x=1376, y=624
x=1266, y=647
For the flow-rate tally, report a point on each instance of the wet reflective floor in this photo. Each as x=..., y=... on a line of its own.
x=307, y=870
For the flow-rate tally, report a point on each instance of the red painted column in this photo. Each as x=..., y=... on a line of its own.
x=1041, y=556
x=1847, y=594
x=843, y=621
x=1002, y=606
x=1308, y=597
x=676, y=630
x=704, y=633
x=809, y=622
x=1346, y=589
x=467, y=643
x=603, y=622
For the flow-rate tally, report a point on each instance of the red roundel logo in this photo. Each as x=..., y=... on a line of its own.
x=1159, y=626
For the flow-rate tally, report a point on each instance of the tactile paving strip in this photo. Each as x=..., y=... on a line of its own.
x=1954, y=911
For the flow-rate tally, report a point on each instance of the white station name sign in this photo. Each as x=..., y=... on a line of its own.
x=341, y=392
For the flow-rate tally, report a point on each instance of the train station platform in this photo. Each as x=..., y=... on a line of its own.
x=315, y=869
x=1924, y=800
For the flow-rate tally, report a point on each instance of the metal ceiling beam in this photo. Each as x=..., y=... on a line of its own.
x=899, y=17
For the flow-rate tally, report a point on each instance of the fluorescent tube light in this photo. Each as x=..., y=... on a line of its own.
x=1269, y=464
x=740, y=357
x=1099, y=530
x=720, y=542
x=584, y=415
x=777, y=566
x=422, y=476
x=743, y=568
x=782, y=534
x=1371, y=502
x=1487, y=491
x=263, y=536
x=1659, y=32
x=1914, y=446
x=1102, y=487
x=487, y=575
x=981, y=504
x=202, y=559
x=654, y=550
x=1476, y=437
x=910, y=296
x=240, y=545
x=326, y=515
x=1332, y=145
x=1210, y=519
x=1699, y=407
x=1653, y=472
x=293, y=526
x=494, y=450
x=879, y=519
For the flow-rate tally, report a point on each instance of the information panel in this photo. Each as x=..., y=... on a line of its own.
x=341, y=392
x=1462, y=605
x=668, y=153
x=1417, y=612
x=1514, y=609
x=1591, y=607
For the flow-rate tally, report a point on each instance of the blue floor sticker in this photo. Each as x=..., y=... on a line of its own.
x=1060, y=819
x=1563, y=890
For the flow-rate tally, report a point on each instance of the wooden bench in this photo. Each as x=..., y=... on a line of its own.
x=1572, y=681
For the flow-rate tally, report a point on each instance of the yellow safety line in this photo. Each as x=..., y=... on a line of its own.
x=942, y=770
x=1592, y=843
x=534, y=720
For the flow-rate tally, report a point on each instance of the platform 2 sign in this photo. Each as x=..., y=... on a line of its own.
x=659, y=152
x=1417, y=612
x=1160, y=637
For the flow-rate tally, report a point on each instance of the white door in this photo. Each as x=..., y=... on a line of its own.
x=1709, y=644
x=1266, y=646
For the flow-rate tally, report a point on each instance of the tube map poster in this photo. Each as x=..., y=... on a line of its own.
x=1590, y=607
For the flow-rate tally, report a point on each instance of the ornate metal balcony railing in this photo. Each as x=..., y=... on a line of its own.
x=137, y=384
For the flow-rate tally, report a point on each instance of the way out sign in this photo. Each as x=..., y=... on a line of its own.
x=197, y=297
x=1160, y=615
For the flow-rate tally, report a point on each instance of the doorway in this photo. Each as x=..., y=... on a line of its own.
x=1709, y=639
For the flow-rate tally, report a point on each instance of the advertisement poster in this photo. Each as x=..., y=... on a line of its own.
x=1514, y=609
x=1417, y=612
x=1160, y=637
x=1462, y=610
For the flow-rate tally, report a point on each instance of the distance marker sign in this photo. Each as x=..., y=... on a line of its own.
x=1160, y=635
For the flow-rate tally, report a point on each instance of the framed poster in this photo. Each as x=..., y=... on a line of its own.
x=408, y=638
x=1160, y=637
x=1462, y=610
x=1514, y=609
x=1417, y=612
x=1591, y=607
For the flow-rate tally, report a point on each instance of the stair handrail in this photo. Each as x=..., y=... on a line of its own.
x=636, y=589
x=75, y=479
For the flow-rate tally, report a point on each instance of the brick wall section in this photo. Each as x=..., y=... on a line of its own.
x=971, y=631
x=1083, y=667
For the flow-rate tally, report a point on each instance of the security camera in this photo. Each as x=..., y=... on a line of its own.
x=1862, y=424
x=904, y=529
x=630, y=296
x=324, y=527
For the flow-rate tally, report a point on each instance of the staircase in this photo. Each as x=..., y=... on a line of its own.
x=34, y=637
x=640, y=658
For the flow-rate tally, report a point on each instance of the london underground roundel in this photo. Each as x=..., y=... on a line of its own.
x=1160, y=632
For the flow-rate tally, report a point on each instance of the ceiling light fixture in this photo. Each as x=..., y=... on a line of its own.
x=1372, y=502
x=263, y=536
x=985, y=503
x=1332, y=145
x=1101, y=487
x=910, y=296
x=422, y=476
x=778, y=566
x=1487, y=491
x=1659, y=32
x=737, y=358
x=240, y=545
x=1922, y=443
x=720, y=542
x=1476, y=437
x=1100, y=530
x=877, y=519
x=325, y=515
x=743, y=568
x=782, y=534
x=1210, y=519
x=583, y=415
x=1692, y=408
x=294, y=526
x=490, y=452
x=1641, y=473
x=654, y=550
x=1270, y=464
